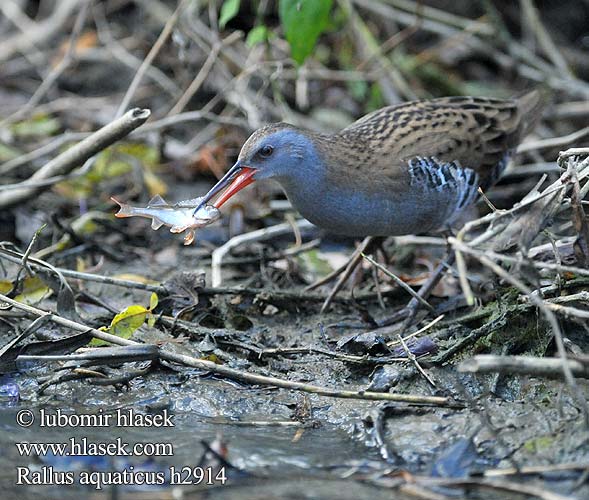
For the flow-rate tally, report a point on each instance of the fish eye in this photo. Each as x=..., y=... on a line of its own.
x=266, y=151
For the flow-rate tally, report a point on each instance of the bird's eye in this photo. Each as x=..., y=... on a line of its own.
x=266, y=151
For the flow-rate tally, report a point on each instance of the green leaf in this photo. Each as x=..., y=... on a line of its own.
x=303, y=21
x=8, y=153
x=38, y=126
x=127, y=321
x=229, y=10
x=313, y=262
x=153, y=300
x=155, y=185
x=259, y=34
x=34, y=290
x=358, y=89
x=113, y=162
x=375, y=100
x=148, y=154
x=5, y=286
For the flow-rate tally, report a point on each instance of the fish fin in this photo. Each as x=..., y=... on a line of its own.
x=124, y=209
x=178, y=229
x=156, y=223
x=189, y=238
x=156, y=201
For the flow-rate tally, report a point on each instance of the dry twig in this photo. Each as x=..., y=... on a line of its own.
x=231, y=372
x=78, y=154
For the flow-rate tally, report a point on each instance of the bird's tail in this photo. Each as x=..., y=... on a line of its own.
x=531, y=104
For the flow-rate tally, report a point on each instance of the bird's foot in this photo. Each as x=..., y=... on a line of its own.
x=409, y=312
x=406, y=315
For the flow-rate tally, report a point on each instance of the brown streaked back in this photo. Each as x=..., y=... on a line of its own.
x=476, y=132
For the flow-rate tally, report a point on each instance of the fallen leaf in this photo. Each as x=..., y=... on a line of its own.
x=34, y=290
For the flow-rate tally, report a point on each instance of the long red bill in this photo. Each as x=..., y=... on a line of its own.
x=245, y=178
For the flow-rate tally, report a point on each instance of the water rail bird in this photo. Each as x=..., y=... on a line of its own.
x=403, y=169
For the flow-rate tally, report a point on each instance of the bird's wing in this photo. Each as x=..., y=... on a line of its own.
x=479, y=132
x=447, y=188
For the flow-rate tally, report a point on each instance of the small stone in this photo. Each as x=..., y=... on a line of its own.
x=270, y=310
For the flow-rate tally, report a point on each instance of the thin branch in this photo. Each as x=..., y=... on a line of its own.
x=553, y=142
x=38, y=32
x=523, y=365
x=548, y=314
x=269, y=296
x=78, y=154
x=166, y=32
x=253, y=236
x=231, y=372
x=56, y=72
x=203, y=73
x=411, y=357
x=399, y=281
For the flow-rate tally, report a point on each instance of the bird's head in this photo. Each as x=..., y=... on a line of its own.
x=278, y=151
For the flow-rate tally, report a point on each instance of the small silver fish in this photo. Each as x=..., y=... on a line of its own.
x=179, y=216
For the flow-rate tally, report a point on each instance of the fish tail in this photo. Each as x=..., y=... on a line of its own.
x=124, y=209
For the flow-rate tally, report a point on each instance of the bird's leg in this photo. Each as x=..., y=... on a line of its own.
x=410, y=310
x=355, y=259
x=427, y=288
x=378, y=242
